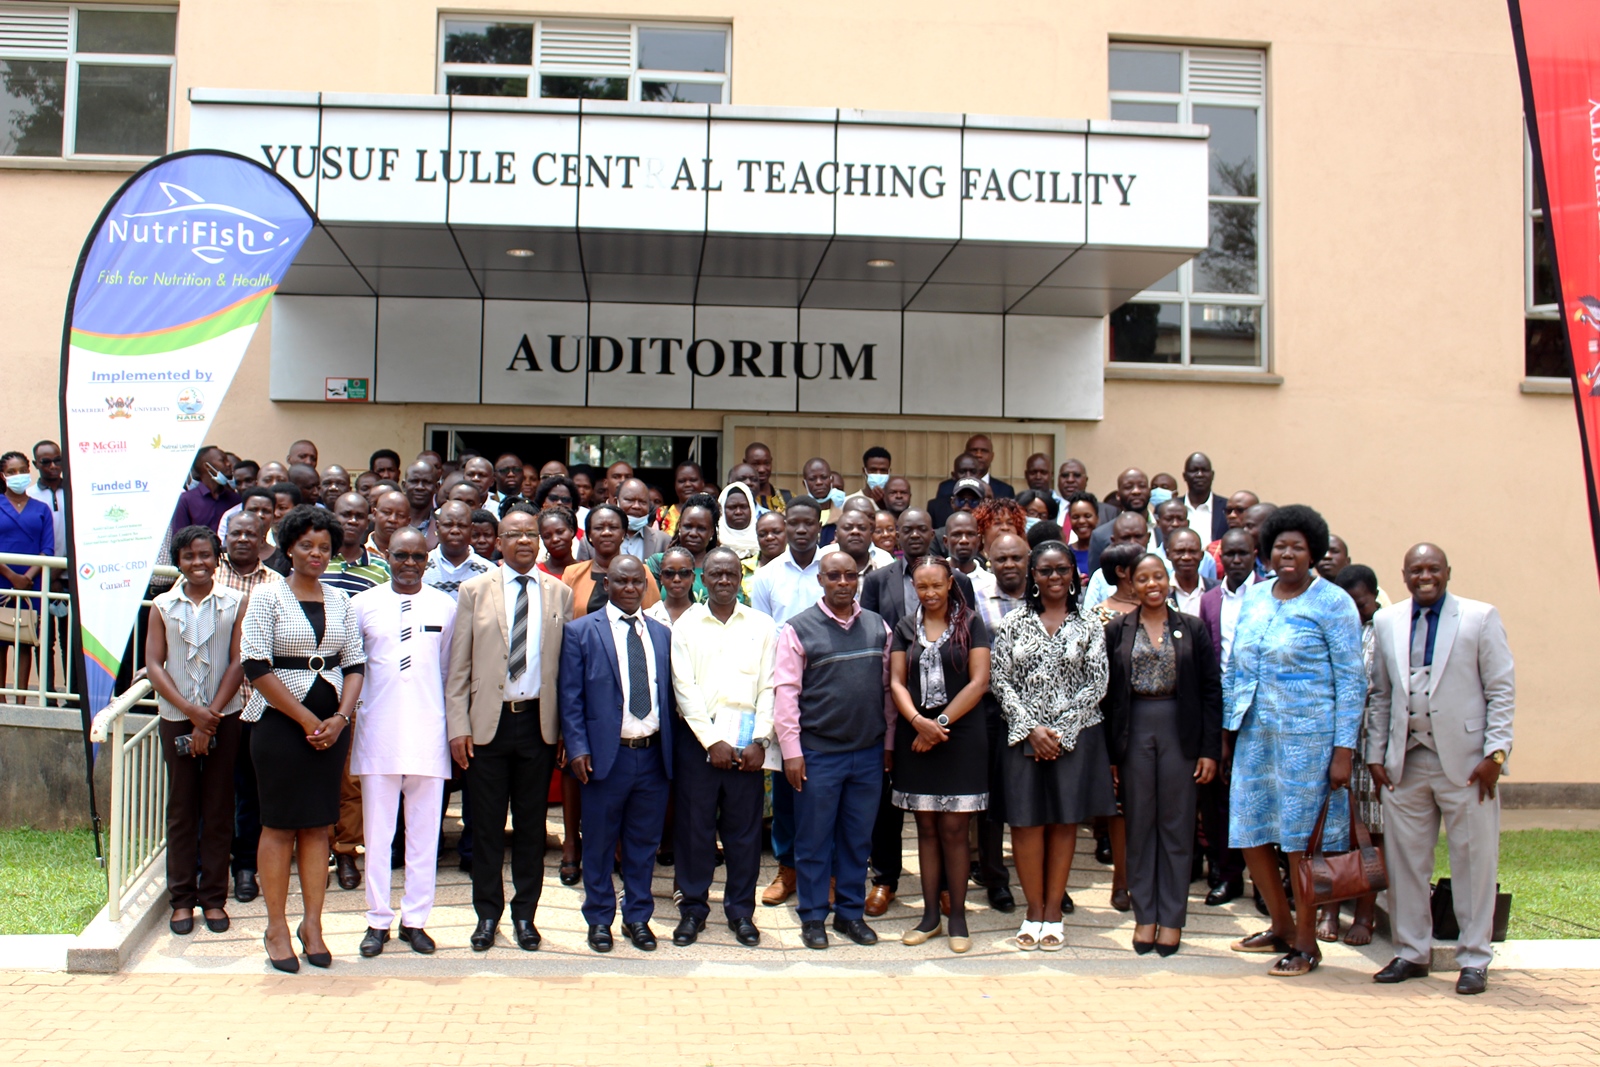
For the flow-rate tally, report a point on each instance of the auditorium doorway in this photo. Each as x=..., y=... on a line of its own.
x=652, y=455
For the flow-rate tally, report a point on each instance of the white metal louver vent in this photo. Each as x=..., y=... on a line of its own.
x=1234, y=73
x=589, y=47
x=30, y=32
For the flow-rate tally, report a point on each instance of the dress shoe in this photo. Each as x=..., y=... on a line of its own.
x=181, y=927
x=1001, y=900
x=641, y=936
x=960, y=944
x=812, y=934
x=1472, y=980
x=745, y=932
x=915, y=936
x=1225, y=892
x=397, y=861
x=1102, y=850
x=482, y=939
x=781, y=889
x=571, y=872
x=527, y=934
x=1067, y=906
x=1164, y=950
x=348, y=873
x=245, y=888
x=878, y=900
x=464, y=864
x=316, y=959
x=665, y=857
x=288, y=965
x=688, y=929
x=418, y=939
x=600, y=938
x=1399, y=969
x=856, y=930
x=218, y=925
x=1121, y=900
x=372, y=944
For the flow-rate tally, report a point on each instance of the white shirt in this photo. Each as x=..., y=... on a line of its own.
x=1200, y=518
x=877, y=558
x=56, y=501
x=632, y=725
x=782, y=588
x=400, y=728
x=720, y=670
x=1228, y=616
x=1188, y=603
x=447, y=577
x=983, y=583
x=526, y=687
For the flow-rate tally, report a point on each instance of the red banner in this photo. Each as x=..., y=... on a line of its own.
x=1558, y=52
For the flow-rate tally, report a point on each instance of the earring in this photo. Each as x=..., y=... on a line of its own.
x=1035, y=591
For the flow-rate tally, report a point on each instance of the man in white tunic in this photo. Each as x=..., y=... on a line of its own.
x=401, y=749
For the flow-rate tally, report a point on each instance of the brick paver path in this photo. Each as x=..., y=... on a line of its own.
x=1335, y=1017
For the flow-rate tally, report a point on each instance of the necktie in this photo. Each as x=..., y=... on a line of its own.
x=638, y=672
x=517, y=661
x=1419, y=640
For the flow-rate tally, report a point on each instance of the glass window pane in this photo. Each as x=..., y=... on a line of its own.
x=122, y=111
x=1544, y=273
x=680, y=92
x=1147, y=333
x=1545, y=352
x=1224, y=335
x=30, y=107
x=584, y=448
x=655, y=452
x=1233, y=148
x=1229, y=265
x=1146, y=71
x=466, y=85
x=1169, y=284
x=570, y=88
x=702, y=50
x=621, y=450
x=1123, y=109
x=488, y=42
x=149, y=33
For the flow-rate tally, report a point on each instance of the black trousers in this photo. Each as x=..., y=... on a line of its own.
x=512, y=771
x=246, y=805
x=887, y=860
x=1227, y=864
x=991, y=824
x=199, y=815
x=708, y=802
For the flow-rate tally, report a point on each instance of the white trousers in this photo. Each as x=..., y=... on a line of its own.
x=380, y=799
x=1411, y=817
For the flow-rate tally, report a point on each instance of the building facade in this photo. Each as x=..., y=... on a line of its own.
x=1341, y=188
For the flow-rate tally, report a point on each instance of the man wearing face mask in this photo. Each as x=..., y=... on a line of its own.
x=640, y=540
x=818, y=477
x=875, y=466
x=213, y=495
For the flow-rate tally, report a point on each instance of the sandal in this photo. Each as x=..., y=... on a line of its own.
x=1265, y=941
x=1289, y=965
x=1050, y=937
x=1328, y=923
x=1028, y=936
x=1363, y=938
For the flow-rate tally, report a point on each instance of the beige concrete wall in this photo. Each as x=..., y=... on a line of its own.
x=1394, y=181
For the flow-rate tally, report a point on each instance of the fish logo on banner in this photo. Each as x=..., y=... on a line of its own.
x=170, y=287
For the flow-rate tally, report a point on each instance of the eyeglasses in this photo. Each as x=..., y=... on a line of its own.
x=408, y=557
x=47, y=462
x=677, y=572
x=553, y=499
x=963, y=503
x=1053, y=572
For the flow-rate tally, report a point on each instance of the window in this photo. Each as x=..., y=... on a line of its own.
x=667, y=63
x=1545, y=352
x=85, y=81
x=602, y=451
x=1210, y=312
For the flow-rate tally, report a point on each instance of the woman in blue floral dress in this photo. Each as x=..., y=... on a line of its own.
x=1294, y=692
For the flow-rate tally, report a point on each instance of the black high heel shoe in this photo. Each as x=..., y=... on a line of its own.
x=1167, y=950
x=291, y=965
x=316, y=959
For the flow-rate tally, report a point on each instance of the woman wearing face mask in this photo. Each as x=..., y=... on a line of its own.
x=1163, y=714
x=1037, y=507
x=27, y=528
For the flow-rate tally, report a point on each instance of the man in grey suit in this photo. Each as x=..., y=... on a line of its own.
x=1438, y=736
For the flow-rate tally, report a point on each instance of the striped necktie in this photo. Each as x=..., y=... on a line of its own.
x=517, y=661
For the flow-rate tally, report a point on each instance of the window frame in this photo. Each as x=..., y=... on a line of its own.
x=1185, y=295
x=533, y=70
x=74, y=59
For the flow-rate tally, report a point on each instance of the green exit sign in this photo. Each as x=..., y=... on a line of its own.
x=346, y=390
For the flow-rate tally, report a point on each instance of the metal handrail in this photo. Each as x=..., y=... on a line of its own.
x=138, y=827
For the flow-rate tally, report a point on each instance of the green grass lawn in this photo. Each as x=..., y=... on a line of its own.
x=49, y=881
x=1554, y=879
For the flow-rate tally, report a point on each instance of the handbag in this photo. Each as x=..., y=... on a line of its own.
x=18, y=625
x=1442, y=904
x=1324, y=878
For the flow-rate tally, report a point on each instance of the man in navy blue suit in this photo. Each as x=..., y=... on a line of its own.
x=616, y=709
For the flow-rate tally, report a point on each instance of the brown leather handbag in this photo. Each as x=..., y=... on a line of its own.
x=1326, y=879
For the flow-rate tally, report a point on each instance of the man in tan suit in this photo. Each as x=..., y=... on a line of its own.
x=504, y=723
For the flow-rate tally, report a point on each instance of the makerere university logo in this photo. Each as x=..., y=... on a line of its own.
x=208, y=229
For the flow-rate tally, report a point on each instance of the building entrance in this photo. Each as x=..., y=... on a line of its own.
x=652, y=455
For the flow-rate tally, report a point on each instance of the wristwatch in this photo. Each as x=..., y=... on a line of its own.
x=943, y=719
x=764, y=742
x=1499, y=756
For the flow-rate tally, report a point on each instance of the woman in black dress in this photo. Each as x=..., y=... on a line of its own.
x=302, y=651
x=938, y=674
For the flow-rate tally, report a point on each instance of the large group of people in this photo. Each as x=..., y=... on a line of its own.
x=1195, y=677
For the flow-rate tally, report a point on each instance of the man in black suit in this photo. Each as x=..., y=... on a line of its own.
x=980, y=448
x=1208, y=515
x=965, y=470
x=1133, y=489
x=889, y=592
